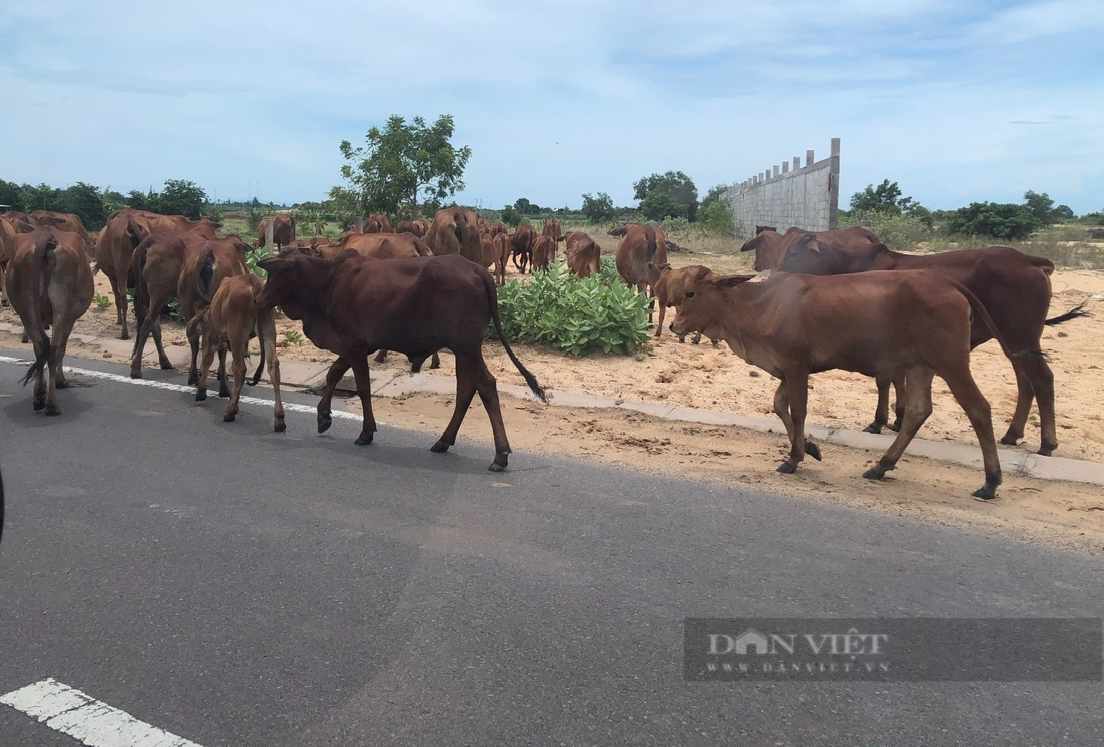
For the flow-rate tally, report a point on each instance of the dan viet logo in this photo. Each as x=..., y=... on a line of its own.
x=751, y=641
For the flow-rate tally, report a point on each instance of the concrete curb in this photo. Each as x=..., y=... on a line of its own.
x=389, y=384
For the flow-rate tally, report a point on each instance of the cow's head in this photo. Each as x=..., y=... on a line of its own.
x=293, y=279
x=806, y=254
x=619, y=231
x=704, y=306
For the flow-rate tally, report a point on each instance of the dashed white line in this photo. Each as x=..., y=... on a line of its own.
x=91, y=722
x=185, y=389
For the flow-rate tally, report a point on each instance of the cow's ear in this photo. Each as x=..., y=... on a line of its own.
x=808, y=241
x=731, y=281
x=273, y=265
x=665, y=266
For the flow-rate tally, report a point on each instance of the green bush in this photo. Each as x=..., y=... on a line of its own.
x=898, y=232
x=992, y=219
x=576, y=315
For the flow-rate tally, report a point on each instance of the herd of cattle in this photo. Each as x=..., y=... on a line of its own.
x=835, y=299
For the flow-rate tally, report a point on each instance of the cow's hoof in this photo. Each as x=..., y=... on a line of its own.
x=324, y=423
x=24, y=338
x=229, y=417
x=985, y=494
x=363, y=440
x=201, y=396
x=812, y=450
x=224, y=393
x=872, y=428
x=786, y=468
x=1047, y=449
x=439, y=448
x=496, y=467
x=61, y=384
x=192, y=379
x=124, y=335
x=279, y=425
x=872, y=474
x=135, y=373
x=38, y=404
x=166, y=366
x=53, y=410
x=1009, y=439
x=895, y=427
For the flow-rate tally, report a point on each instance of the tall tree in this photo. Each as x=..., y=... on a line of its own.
x=885, y=198
x=669, y=194
x=1042, y=207
x=598, y=209
x=405, y=165
x=86, y=202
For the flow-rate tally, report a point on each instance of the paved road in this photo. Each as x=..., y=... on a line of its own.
x=238, y=587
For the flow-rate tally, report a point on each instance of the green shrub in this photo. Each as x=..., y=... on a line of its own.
x=576, y=315
x=996, y=220
x=898, y=232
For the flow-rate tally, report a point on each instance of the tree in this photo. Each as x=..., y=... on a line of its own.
x=885, y=198
x=672, y=193
x=715, y=193
x=717, y=216
x=404, y=165
x=11, y=195
x=525, y=207
x=598, y=209
x=1064, y=212
x=181, y=197
x=995, y=220
x=86, y=202
x=511, y=216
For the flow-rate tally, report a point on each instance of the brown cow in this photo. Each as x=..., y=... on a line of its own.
x=639, y=245
x=455, y=230
x=379, y=245
x=355, y=305
x=486, y=242
x=227, y=323
x=155, y=266
x=770, y=246
x=499, y=227
x=62, y=222
x=1096, y=233
x=522, y=246
x=1013, y=286
x=582, y=255
x=544, y=247
x=378, y=223
x=416, y=227
x=283, y=231
x=913, y=323
x=10, y=226
x=502, y=249
x=669, y=286
x=125, y=229
x=206, y=265
x=50, y=284
x=553, y=229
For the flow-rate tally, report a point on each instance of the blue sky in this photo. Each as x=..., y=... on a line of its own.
x=956, y=101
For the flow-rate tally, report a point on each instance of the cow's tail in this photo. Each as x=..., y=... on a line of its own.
x=1076, y=311
x=492, y=301
x=979, y=311
x=206, y=273
x=44, y=260
x=141, y=292
x=259, y=328
x=649, y=233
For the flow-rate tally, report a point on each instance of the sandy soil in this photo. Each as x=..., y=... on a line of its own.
x=713, y=378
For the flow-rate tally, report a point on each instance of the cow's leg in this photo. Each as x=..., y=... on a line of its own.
x=488, y=393
x=381, y=356
x=192, y=332
x=1034, y=379
x=144, y=328
x=209, y=343
x=364, y=391
x=976, y=407
x=467, y=382
x=121, y=299
x=659, y=324
x=798, y=391
x=41, y=345
x=239, y=349
x=224, y=388
x=266, y=327
x=62, y=330
x=333, y=376
x=696, y=340
x=114, y=282
x=918, y=406
x=783, y=410
x=162, y=359
x=881, y=411
x=435, y=361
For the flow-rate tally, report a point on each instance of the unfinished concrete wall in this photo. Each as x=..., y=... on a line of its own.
x=804, y=196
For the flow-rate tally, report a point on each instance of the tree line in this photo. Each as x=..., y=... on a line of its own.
x=93, y=205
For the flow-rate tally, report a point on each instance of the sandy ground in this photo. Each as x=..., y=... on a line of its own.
x=713, y=378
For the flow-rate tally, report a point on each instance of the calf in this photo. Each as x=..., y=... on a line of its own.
x=355, y=305
x=582, y=255
x=913, y=324
x=670, y=288
x=1014, y=287
x=544, y=247
x=50, y=284
x=206, y=265
x=232, y=317
x=502, y=249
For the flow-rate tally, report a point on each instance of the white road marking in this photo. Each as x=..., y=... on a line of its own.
x=96, y=724
x=185, y=389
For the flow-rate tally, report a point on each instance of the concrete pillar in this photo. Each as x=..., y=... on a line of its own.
x=270, y=230
x=809, y=158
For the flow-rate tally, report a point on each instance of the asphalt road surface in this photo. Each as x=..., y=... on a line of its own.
x=233, y=586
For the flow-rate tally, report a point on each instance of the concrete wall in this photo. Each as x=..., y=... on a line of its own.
x=806, y=196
